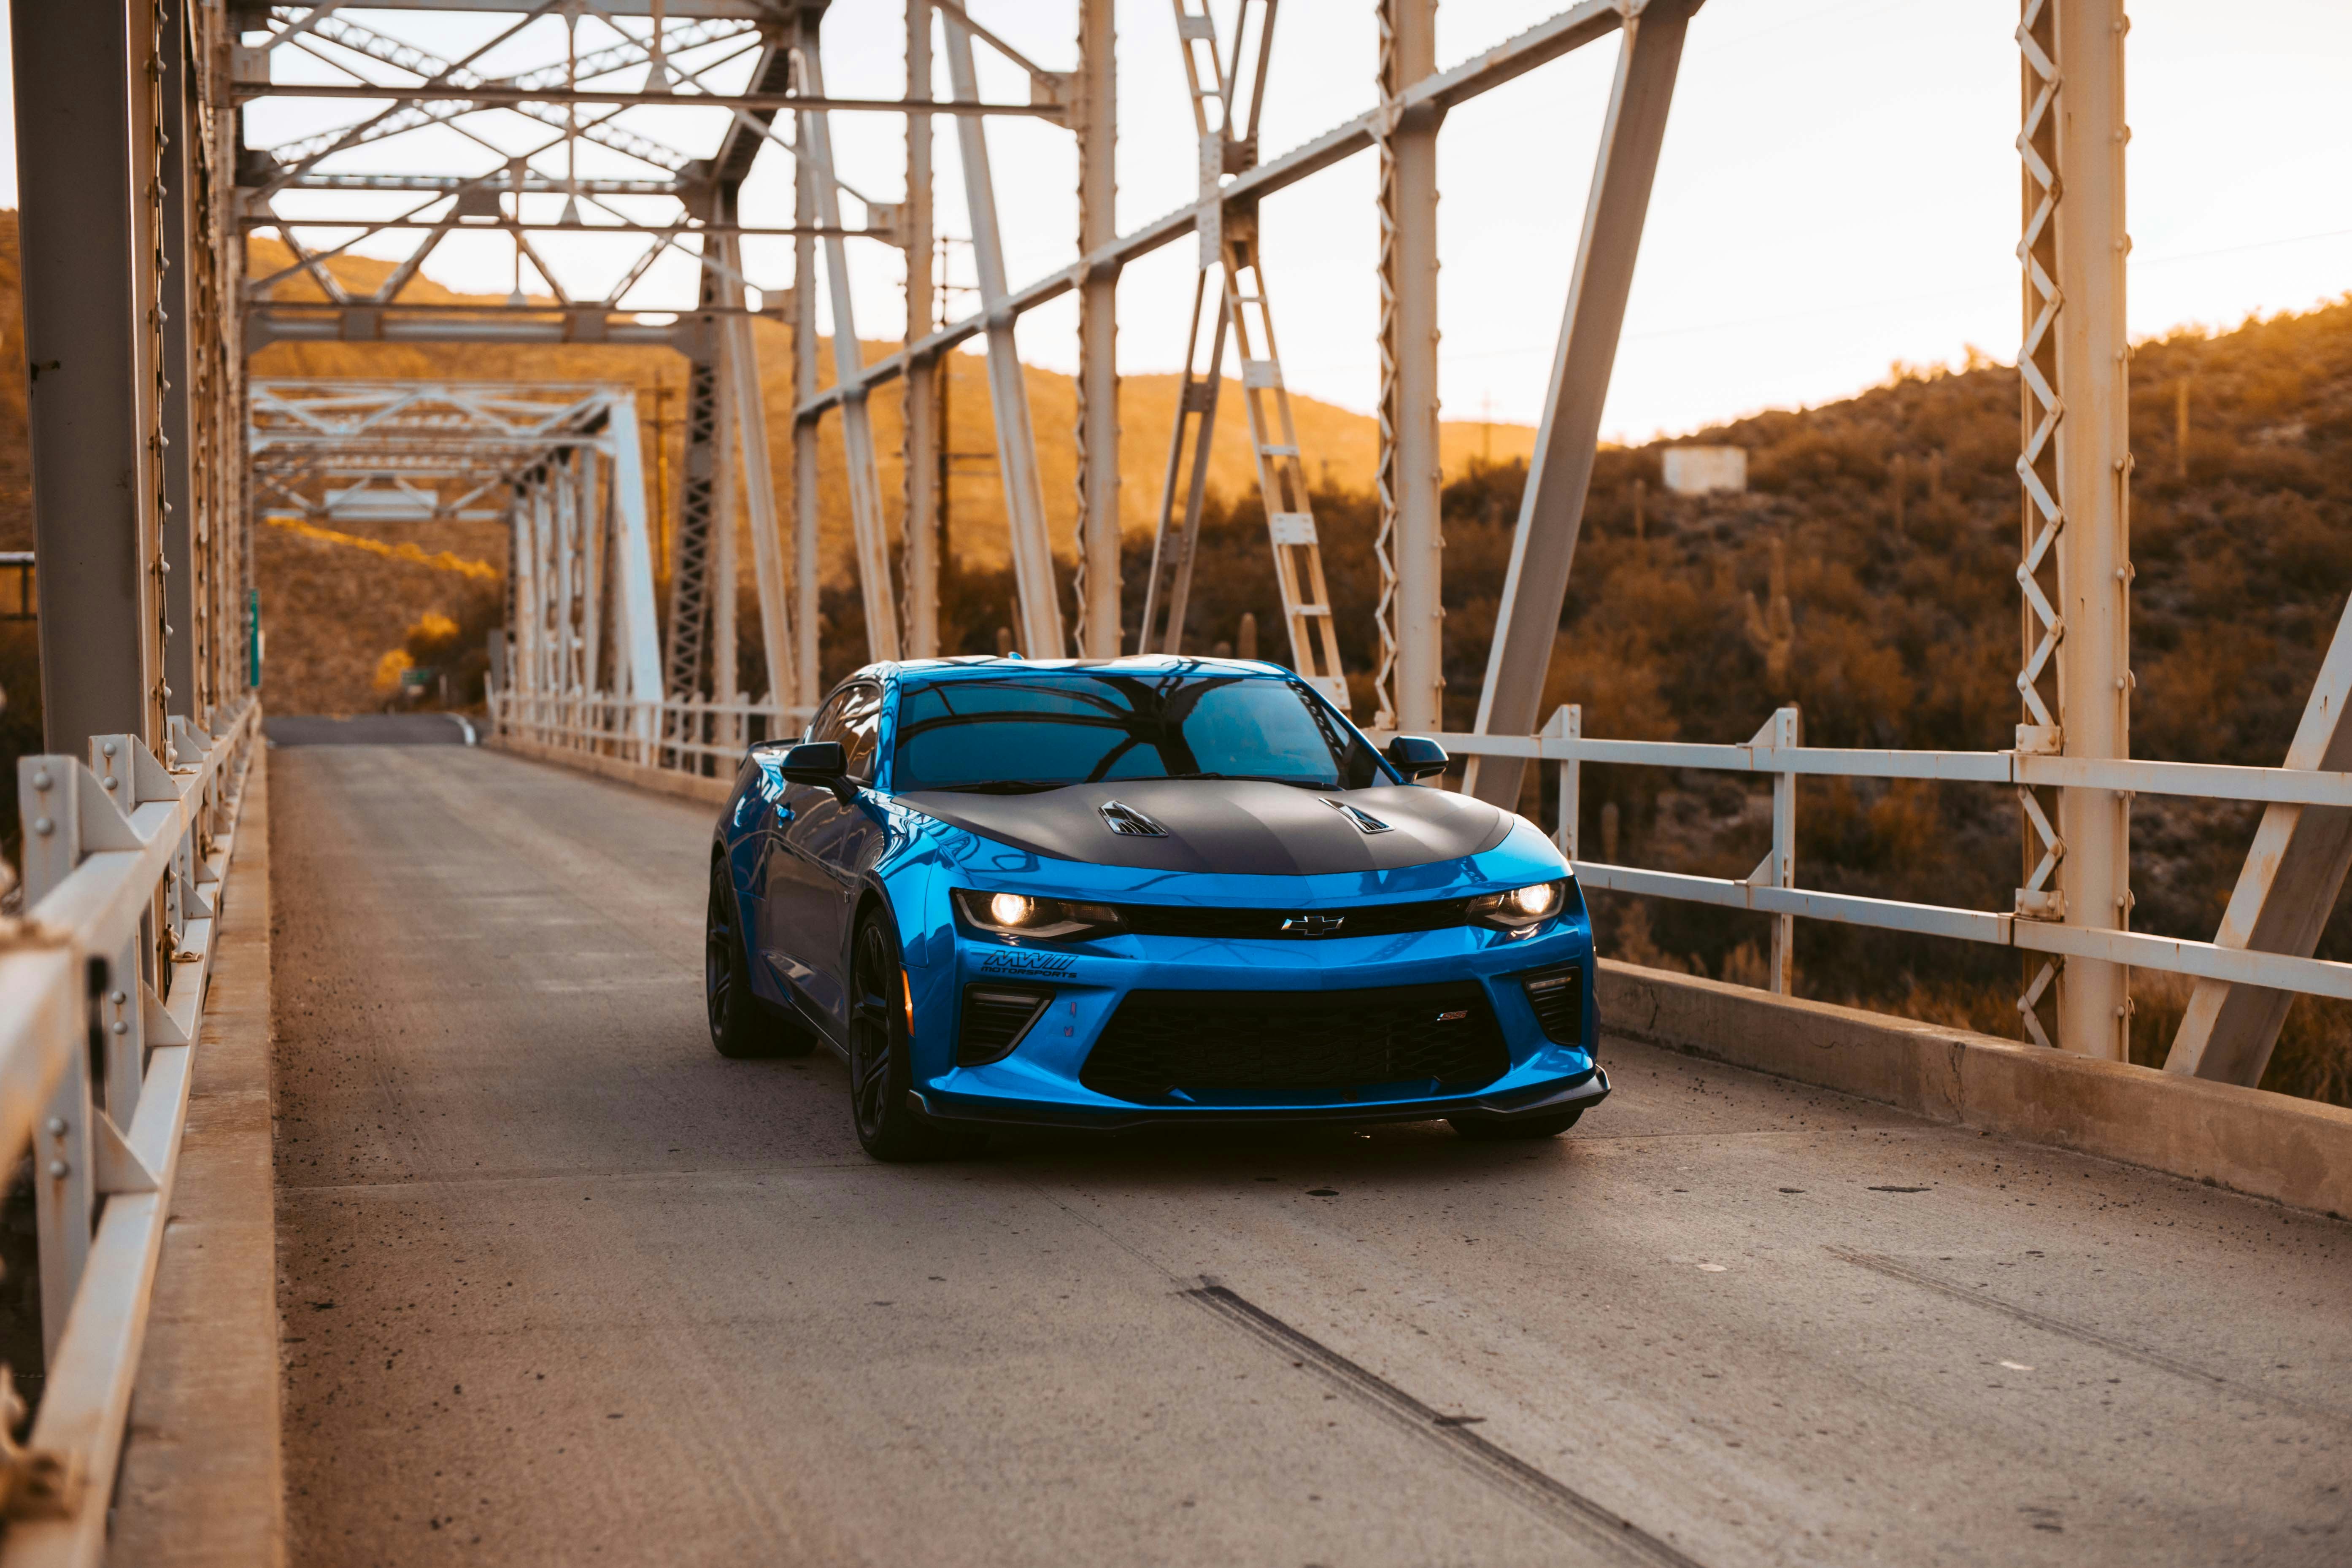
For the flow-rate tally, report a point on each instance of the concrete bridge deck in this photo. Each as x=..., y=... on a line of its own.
x=559, y=1285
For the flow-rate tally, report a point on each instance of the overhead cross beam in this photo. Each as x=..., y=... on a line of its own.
x=491, y=97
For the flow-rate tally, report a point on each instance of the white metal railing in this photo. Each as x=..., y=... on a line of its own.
x=672, y=736
x=102, y=986
x=2033, y=926
x=678, y=735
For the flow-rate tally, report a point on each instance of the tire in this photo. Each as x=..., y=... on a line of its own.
x=881, y=1066
x=741, y=1025
x=1501, y=1130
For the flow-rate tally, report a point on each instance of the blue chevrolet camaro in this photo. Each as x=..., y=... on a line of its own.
x=1099, y=893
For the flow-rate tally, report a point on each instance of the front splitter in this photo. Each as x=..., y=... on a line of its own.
x=1580, y=1092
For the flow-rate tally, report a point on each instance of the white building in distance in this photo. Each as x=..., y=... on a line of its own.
x=1701, y=470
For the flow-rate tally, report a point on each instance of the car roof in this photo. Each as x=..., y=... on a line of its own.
x=980, y=667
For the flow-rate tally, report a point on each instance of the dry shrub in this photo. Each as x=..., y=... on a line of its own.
x=1747, y=965
x=1618, y=678
x=1630, y=939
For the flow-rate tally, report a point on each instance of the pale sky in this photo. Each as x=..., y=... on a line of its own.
x=1839, y=190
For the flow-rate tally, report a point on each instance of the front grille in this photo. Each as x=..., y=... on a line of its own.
x=1558, y=997
x=1266, y=925
x=1436, y=1038
x=994, y=1019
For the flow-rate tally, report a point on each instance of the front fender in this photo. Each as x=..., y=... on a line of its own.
x=909, y=883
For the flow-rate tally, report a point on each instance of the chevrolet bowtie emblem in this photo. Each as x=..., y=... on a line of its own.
x=1314, y=925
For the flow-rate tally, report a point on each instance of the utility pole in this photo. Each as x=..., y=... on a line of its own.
x=2181, y=426
x=663, y=392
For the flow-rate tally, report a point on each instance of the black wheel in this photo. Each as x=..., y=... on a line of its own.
x=880, y=1067
x=1498, y=1130
x=741, y=1025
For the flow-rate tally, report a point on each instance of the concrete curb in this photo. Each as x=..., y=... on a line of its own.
x=203, y=1479
x=686, y=787
x=2295, y=1152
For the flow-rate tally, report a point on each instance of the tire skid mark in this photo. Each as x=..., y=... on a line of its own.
x=1911, y=1274
x=1551, y=1499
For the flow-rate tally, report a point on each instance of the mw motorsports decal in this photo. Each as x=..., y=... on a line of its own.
x=1024, y=963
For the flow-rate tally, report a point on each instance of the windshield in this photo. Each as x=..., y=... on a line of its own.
x=1046, y=730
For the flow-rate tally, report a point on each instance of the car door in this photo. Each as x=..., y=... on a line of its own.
x=810, y=892
x=760, y=818
x=850, y=835
x=788, y=882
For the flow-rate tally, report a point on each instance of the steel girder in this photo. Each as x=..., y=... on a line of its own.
x=1408, y=688
x=1035, y=599
x=2287, y=889
x=921, y=437
x=1551, y=510
x=2075, y=469
x=90, y=237
x=1095, y=115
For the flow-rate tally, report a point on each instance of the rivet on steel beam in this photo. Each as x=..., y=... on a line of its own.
x=56, y=1126
x=58, y=1168
x=44, y=827
x=41, y=779
x=121, y=1027
x=109, y=780
x=118, y=997
x=105, y=748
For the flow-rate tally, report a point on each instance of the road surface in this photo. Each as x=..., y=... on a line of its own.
x=562, y=1286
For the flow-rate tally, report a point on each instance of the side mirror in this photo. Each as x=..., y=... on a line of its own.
x=822, y=763
x=1417, y=757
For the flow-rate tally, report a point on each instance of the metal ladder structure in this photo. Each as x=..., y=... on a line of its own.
x=1229, y=241
x=1170, y=588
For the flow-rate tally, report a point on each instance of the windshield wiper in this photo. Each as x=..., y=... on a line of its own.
x=1002, y=787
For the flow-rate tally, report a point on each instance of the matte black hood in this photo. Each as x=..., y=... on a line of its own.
x=1237, y=828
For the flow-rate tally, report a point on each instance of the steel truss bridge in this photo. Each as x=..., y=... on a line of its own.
x=154, y=454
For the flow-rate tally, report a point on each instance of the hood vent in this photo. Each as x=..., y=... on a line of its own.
x=1129, y=823
x=1364, y=820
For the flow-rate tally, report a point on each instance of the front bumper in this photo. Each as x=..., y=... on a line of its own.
x=1038, y=1084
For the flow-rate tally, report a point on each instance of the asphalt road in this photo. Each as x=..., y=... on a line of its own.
x=562, y=1286
x=429, y=729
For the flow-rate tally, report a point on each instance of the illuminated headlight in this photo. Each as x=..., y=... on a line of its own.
x=1520, y=909
x=1041, y=919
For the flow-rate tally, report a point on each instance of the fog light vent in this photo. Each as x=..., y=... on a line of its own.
x=1558, y=997
x=994, y=1019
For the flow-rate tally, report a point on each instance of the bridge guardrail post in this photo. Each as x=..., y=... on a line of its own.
x=1567, y=725
x=50, y=793
x=132, y=778
x=1782, y=731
